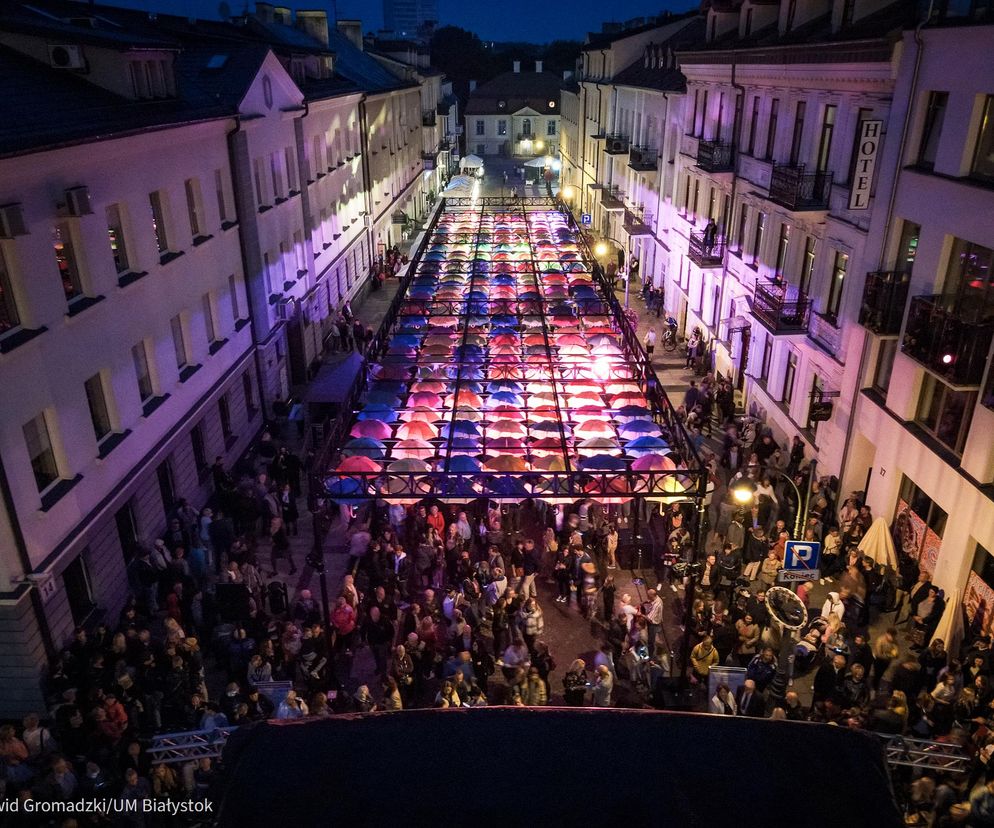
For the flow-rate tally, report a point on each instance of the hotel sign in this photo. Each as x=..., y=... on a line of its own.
x=870, y=133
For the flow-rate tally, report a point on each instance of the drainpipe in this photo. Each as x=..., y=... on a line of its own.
x=235, y=179
x=367, y=191
x=864, y=355
x=736, y=136
x=24, y=559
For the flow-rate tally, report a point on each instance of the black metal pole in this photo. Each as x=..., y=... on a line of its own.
x=690, y=593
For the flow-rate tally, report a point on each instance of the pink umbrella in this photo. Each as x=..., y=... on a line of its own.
x=506, y=428
x=377, y=429
x=418, y=449
x=420, y=414
x=430, y=386
x=425, y=398
x=417, y=430
x=506, y=444
x=506, y=412
x=653, y=462
x=594, y=428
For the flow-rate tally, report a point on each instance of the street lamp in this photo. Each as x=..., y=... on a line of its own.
x=744, y=492
x=601, y=249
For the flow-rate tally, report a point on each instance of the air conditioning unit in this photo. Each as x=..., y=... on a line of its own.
x=12, y=221
x=820, y=412
x=286, y=309
x=78, y=201
x=66, y=57
x=615, y=145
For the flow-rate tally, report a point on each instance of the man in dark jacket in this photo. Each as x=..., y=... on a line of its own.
x=379, y=633
x=830, y=679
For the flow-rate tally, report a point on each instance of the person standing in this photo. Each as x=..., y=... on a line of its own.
x=650, y=343
x=603, y=685
x=654, y=617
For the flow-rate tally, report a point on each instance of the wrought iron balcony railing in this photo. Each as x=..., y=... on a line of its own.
x=643, y=159
x=951, y=341
x=782, y=308
x=706, y=255
x=428, y=118
x=885, y=295
x=612, y=198
x=714, y=156
x=798, y=190
x=617, y=144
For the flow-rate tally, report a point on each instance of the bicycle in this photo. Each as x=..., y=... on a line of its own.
x=669, y=340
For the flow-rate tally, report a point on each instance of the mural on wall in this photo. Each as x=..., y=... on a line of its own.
x=909, y=533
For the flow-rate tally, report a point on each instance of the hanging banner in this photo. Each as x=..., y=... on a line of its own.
x=867, y=144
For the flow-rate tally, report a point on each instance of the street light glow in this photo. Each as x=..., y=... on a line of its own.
x=742, y=494
x=600, y=249
x=568, y=192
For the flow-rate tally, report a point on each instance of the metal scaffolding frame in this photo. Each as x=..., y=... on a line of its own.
x=903, y=751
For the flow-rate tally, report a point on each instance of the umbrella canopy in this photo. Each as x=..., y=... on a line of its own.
x=365, y=447
x=417, y=430
x=878, y=544
x=653, y=462
x=462, y=463
x=408, y=464
x=418, y=449
x=420, y=413
x=645, y=445
x=425, y=398
x=506, y=462
x=594, y=428
x=602, y=462
x=506, y=428
x=637, y=428
x=378, y=411
x=358, y=463
x=340, y=489
x=376, y=429
x=552, y=462
x=470, y=162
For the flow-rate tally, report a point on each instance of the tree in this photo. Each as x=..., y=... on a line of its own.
x=561, y=55
x=461, y=55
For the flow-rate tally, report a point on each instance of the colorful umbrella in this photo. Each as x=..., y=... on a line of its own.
x=506, y=462
x=417, y=430
x=365, y=447
x=358, y=463
x=602, y=462
x=653, y=462
x=377, y=429
x=418, y=449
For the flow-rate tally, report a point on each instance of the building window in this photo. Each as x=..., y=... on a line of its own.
x=65, y=257
x=502, y=127
x=39, y=444
x=259, y=176
x=550, y=127
x=115, y=235
x=236, y=311
x=747, y=29
x=825, y=141
x=76, y=580
x=143, y=376
x=753, y=124
x=969, y=282
x=771, y=128
x=741, y=233
x=791, y=12
x=526, y=126
x=848, y=10
x=291, y=169
x=222, y=201
x=757, y=237
x=193, y=207
x=697, y=194
x=179, y=342
x=276, y=174
x=199, y=449
x=9, y=317
x=839, y=267
x=481, y=126
x=789, y=376
x=156, y=202
x=798, y=134
x=983, y=157
x=783, y=245
x=127, y=531
x=923, y=506
x=764, y=369
x=209, y=327
x=96, y=399
x=224, y=412
x=945, y=413
x=907, y=246
x=935, y=114
x=884, y=366
x=807, y=263
x=249, y=394
x=167, y=485
x=702, y=116
x=481, y=149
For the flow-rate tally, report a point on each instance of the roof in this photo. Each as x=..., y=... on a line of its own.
x=656, y=68
x=599, y=40
x=517, y=90
x=574, y=766
x=362, y=69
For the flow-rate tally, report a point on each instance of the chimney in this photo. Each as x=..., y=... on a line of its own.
x=472, y=86
x=281, y=14
x=517, y=67
x=264, y=12
x=314, y=24
x=538, y=66
x=352, y=29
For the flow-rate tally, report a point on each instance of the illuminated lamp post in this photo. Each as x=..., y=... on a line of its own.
x=602, y=248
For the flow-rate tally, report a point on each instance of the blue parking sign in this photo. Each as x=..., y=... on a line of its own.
x=800, y=555
x=585, y=218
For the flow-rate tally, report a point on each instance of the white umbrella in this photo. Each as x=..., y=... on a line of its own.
x=470, y=162
x=539, y=162
x=950, y=628
x=878, y=545
x=460, y=185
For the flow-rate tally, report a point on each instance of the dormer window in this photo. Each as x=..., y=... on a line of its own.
x=151, y=79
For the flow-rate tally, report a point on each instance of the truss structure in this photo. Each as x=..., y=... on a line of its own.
x=925, y=754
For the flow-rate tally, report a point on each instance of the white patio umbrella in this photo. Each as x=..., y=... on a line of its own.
x=950, y=629
x=470, y=162
x=878, y=544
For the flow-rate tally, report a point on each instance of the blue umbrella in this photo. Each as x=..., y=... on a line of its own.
x=633, y=411
x=645, y=445
x=378, y=411
x=339, y=488
x=464, y=463
x=602, y=462
x=505, y=397
x=385, y=398
x=507, y=487
x=460, y=428
x=396, y=386
x=405, y=341
x=635, y=428
x=366, y=447
x=458, y=487
x=504, y=385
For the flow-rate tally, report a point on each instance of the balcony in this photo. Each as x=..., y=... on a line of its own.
x=612, y=198
x=884, y=298
x=797, y=190
x=951, y=342
x=428, y=118
x=617, y=145
x=714, y=156
x=643, y=159
x=703, y=255
x=782, y=308
x=637, y=224
x=429, y=160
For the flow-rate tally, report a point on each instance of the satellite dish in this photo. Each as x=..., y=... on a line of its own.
x=786, y=608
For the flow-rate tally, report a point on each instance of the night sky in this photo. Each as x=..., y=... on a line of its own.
x=537, y=21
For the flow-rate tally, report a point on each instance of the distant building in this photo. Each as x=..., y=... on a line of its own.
x=409, y=18
x=515, y=114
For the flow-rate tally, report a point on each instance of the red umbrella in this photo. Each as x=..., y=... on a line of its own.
x=425, y=398
x=417, y=430
x=506, y=444
x=421, y=414
x=431, y=386
x=594, y=428
x=506, y=412
x=359, y=463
